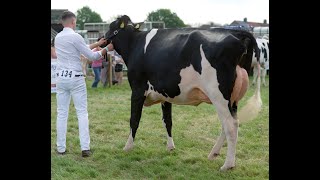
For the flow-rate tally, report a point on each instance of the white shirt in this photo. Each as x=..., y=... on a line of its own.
x=69, y=45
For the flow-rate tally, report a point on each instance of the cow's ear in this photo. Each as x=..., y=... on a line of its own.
x=122, y=25
x=138, y=25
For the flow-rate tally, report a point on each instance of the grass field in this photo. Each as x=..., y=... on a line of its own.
x=195, y=130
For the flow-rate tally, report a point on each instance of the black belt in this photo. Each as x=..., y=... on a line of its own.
x=77, y=75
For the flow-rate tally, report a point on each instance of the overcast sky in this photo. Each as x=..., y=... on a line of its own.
x=190, y=11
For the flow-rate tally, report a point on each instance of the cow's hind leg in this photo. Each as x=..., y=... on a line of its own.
x=263, y=76
x=230, y=129
x=167, y=123
x=255, y=74
x=227, y=112
x=239, y=89
x=137, y=100
x=217, y=147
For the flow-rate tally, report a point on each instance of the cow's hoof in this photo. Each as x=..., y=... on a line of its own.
x=213, y=156
x=129, y=145
x=170, y=148
x=128, y=148
x=170, y=144
x=225, y=168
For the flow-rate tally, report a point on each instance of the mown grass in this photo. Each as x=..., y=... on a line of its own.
x=195, y=130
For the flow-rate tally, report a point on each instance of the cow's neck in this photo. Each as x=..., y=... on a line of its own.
x=124, y=54
x=125, y=51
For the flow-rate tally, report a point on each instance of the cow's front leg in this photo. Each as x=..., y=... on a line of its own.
x=167, y=123
x=137, y=100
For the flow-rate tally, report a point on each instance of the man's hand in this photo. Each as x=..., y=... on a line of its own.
x=97, y=44
x=104, y=50
x=102, y=41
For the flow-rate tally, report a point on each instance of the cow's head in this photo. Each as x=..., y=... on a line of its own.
x=121, y=32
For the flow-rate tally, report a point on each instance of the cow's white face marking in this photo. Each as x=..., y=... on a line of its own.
x=149, y=36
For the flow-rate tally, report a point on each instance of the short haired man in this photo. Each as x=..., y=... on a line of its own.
x=71, y=81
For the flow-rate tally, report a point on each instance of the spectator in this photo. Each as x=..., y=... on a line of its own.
x=119, y=69
x=105, y=71
x=96, y=66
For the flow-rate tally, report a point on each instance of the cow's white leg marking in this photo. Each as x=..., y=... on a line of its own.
x=129, y=144
x=170, y=143
x=163, y=123
x=229, y=124
x=263, y=75
x=217, y=147
x=255, y=74
x=149, y=36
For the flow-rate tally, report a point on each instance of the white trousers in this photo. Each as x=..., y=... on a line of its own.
x=75, y=88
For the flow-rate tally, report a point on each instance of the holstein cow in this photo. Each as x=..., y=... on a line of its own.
x=263, y=45
x=185, y=67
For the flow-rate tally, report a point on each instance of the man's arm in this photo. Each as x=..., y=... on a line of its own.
x=97, y=44
x=85, y=50
x=53, y=53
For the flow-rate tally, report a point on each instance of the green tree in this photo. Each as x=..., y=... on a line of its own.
x=86, y=15
x=170, y=19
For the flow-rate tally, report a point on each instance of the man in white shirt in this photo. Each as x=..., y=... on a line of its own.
x=70, y=81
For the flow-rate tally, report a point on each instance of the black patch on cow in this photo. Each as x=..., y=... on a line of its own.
x=165, y=58
x=264, y=51
x=233, y=109
x=167, y=116
x=163, y=65
x=263, y=44
x=224, y=56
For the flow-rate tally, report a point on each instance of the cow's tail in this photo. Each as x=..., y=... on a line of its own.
x=251, y=46
x=253, y=106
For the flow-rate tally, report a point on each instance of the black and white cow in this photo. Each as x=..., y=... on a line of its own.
x=263, y=45
x=185, y=67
